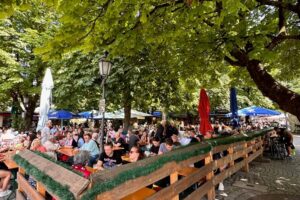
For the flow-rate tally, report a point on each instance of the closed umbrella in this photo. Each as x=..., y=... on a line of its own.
x=204, y=110
x=45, y=100
x=233, y=103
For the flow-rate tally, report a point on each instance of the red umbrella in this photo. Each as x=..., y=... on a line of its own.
x=204, y=110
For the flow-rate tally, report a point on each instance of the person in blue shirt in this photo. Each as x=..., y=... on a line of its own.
x=91, y=146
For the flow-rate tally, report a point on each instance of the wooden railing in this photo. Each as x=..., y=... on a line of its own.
x=181, y=173
x=46, y=169
x=183, y=176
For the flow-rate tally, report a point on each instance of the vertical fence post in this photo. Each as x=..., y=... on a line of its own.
x=173, y=179
x=40, y=188
x=261, y=146
x=230, y=152
x=22, y=172
x=245, y=156
x=209, y=177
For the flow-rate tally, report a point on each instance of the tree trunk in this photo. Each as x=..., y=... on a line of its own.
x=29, y=114
x=286, y=99
x=127, y=108
x=127, y=112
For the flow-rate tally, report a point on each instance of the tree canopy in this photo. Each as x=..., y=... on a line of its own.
x=195, y=37
x=163, y=52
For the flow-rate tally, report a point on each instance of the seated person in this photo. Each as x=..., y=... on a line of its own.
x=36, y=145
x=77, y=140
x=95, y=136
x=79, y=162
x=175, y=140
x=135, y=154
x=91, y=146
x=192, y=135
x=51, y=146
x=155, y=146
x=166, y=146
x=118, y=141
x=133, y=138
x=68, y=140
x=109, y=158
x=144, y=139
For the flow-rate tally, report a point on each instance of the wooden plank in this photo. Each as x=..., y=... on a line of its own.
x=28, y=189
x=228, y=172
x=186, y=171
x=41, y=189
x=211, y=193
x=76, y=183
x=239, y=154
x=8, y=161
x=245, y=156
x=192, y=160
x=174, y=179
x=140, y=194
x=182, y=184
x=221, y=148
x=200, y=192
x=21, y=170
x=138, y=183
x=254, y=155
x=222, y=161
x=230, y=153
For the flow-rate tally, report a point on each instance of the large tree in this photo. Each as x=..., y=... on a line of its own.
x=259, y=36
x=22, y=71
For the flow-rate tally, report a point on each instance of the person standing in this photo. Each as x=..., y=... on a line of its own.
x=161, y=131
x=46, y=131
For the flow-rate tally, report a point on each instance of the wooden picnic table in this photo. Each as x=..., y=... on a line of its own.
x=90, y=169
x=8, y=161
x=140, y=194
x=117, y=148
x=67, y=151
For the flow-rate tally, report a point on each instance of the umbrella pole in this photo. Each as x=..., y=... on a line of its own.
x=61, y=123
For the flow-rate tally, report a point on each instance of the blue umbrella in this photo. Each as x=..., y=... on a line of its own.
x=255, y=111
x=233, y=103
x=61, y=114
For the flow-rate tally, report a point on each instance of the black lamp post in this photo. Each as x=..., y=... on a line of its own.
x=104, y=67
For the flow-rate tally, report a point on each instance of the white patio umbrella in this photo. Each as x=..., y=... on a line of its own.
x=46, y=97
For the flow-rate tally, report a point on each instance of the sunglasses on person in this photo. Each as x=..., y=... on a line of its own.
x=132, y=152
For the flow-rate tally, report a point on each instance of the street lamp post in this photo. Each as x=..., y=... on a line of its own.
x=104, y=67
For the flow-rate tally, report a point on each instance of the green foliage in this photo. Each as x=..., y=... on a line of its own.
x=163, y=52
x=185, y=44
x=52, y=185
x=20, y=33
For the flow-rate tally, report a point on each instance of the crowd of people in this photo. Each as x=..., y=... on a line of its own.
x=120, y=146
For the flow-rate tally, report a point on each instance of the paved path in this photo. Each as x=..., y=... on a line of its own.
x=275, y=180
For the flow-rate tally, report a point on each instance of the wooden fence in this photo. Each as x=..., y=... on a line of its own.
x=181, y=174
